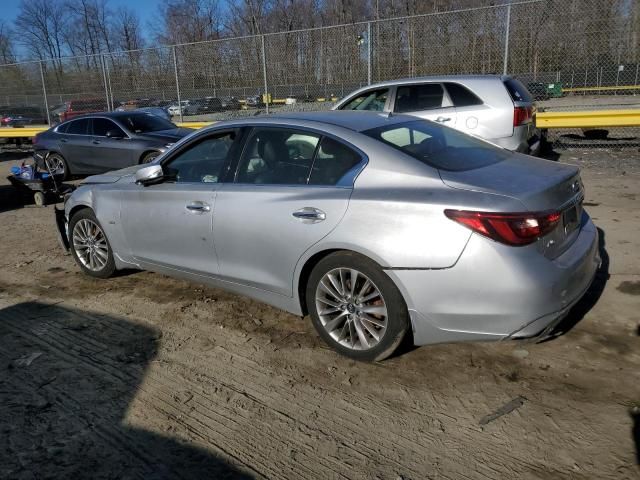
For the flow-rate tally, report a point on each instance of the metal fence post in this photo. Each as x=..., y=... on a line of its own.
x=106, y=85
x=44, y=93
x=506, y=41
x=108, y=74
x=175, y=71
x=264, y=74
x=369, y=51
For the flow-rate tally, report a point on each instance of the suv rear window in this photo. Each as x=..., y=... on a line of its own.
x=439, y=147
x=462, y=96
x=517, y=90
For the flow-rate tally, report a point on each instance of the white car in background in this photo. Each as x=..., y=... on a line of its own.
x=496, y=108
x=176, y=109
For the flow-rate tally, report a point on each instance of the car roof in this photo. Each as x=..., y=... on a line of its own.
x=114, y=114
x=352, y=120
x=441, y=78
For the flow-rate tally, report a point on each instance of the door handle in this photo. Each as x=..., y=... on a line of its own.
x=310, y=215
x=96, y=142
x=198, y=207
x=63, y=140
x=443, y=119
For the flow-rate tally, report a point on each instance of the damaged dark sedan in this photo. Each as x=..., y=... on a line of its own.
x=101, y=142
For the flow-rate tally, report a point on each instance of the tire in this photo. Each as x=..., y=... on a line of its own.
x=82, y=232
x=39, y=199
x=58, y=165
x=149, y=157
x=342, y=323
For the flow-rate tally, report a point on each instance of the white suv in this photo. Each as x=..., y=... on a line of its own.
x=496, y=108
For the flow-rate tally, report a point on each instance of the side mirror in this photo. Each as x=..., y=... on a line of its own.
x=149, y=175
x=114, y=134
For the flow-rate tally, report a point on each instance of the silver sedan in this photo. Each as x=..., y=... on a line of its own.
x=378, y=226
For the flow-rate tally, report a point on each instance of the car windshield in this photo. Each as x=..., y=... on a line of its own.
x=144, y=123
x=437, y=146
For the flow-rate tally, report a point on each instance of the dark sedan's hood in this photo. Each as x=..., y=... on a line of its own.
x=169, y=136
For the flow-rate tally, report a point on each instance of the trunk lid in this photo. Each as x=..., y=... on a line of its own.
x=540, y=185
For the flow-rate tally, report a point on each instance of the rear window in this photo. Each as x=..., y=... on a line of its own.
x=462, y=96
x=517, y=90
x=78, y=127
x=437, y=146
x=145, y=122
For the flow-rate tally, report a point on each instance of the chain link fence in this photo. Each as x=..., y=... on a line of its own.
x=572, y=54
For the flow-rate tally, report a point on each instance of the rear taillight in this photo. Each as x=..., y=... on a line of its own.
x=514, y=229
x=521, y=115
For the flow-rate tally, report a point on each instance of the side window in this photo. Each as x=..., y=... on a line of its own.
x=332, y=162
x=62, y=128
x=277, y=156
x=102, y=125
x=415, y=98
x=462, y=96
x=203, y=162
x=373, y=100
x=79, y=127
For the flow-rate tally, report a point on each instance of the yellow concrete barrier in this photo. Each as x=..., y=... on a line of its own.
x=195, y=125
x=26, y=132
x=589, y=119
x=598, y=89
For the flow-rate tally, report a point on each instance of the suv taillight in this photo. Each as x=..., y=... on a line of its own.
x=521, y=115
x=515, y=229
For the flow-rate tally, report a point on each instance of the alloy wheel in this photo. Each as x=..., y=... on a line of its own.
x=90, y=245
x=351, y=308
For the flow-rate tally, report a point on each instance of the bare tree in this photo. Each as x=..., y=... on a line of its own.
x=42, y=24
x=127, y=32
x=7, y=51
x=186, y=21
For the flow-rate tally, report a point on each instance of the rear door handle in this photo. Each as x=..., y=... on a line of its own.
x=198, y=207
x=443, y=119
x=310, y=215
x=63, y=140
x=96, y=142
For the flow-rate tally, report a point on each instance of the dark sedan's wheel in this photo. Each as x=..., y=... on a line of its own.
x=89, y=245
x=355, y=307
x=57, y=165
x=149, y=157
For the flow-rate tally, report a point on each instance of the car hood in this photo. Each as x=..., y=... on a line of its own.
x=168, y=136
x=114, y=176
x=539, y=184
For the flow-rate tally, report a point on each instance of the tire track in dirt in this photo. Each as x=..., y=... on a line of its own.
x=95, y=359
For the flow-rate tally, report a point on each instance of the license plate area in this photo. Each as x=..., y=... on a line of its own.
x=571, y=218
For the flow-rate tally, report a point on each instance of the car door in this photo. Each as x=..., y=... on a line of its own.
x=425, y=100
x=76, y=147
x=170, y=224
x=291, y=188
x=110, y=152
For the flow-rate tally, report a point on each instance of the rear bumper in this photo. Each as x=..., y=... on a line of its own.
x=525, y=139
x=497, y=292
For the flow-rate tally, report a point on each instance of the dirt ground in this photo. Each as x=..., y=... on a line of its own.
x=143, y=376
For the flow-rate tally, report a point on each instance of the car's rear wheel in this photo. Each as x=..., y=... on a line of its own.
x=57, y=165
x=89, y=245
x=355, y=307
x=149, y=157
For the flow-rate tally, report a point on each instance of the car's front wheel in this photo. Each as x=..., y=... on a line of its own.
x=355, y=307
x=89, y=245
